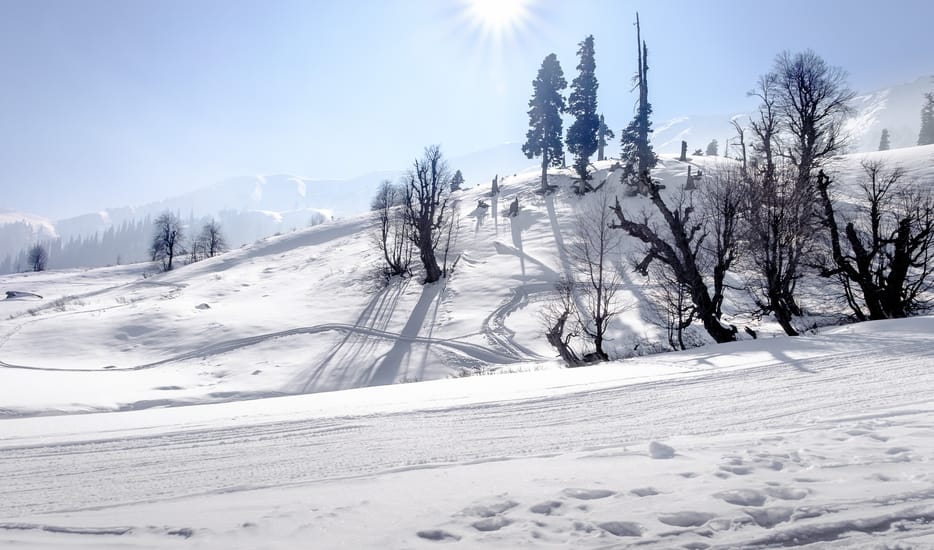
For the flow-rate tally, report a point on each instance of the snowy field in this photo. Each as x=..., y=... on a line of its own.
x=267, y=398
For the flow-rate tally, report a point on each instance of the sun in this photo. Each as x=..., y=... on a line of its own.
x=498, y=17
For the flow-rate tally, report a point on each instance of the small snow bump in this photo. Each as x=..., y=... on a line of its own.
x=202, y=306
x=660, y=450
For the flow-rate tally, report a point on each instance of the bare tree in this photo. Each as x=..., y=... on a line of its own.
x=671, y=300
x=167, y=239
x=887, y=250
x=212, y=239
x=679, y=248
x=391, y=230
x=778, y=239
x=812, y=99
x=556, y=316
x=426, y=205
x=722, y=201
x=38, y=257
x=594, y=250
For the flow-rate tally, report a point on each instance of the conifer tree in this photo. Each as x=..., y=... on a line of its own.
x=603, y=134
x=635, y=150
x=545, y=127
x=457, y=181
x=712, y=148
x=582, y=103
x=884, y=144
x=926, y=136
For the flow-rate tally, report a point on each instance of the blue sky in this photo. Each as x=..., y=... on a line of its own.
x=107, y=103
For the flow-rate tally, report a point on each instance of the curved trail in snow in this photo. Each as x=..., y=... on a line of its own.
x=473, y=350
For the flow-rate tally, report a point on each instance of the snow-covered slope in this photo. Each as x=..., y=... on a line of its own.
x=305, y=425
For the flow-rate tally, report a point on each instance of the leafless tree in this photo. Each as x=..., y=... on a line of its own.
x=778, y=240
x=426, y=204
x=212, y=239
x=678, y=247
x=391, y=231
x=167, y=239
x=672, y=302
x=38, y=257
x=594, y=250
x=812, y=99
x=722, y=201
x=560, y=324
x=886, y=251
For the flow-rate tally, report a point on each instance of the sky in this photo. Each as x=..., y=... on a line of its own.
x=107, y=103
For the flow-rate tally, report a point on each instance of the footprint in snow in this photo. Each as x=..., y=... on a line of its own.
x=686, y=519
x=494, y=523
x=622, y=528
x=645, y=491
x=588, y=494
x=770, y=517
x=546, y=508
x=437, y=535
x=490, y=510
x=742, y=497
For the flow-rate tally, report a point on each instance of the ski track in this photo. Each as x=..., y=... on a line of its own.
x=477, y=352
x=99, y=473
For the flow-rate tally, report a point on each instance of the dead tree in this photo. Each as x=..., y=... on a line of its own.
x=680, y=250
x=887, y=252
x=556, y=316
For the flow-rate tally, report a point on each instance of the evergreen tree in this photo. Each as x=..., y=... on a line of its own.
x=712, y=148
x=457, y=181
x=582, y=103
x=926, y=136
x=603, y=134
x=544, y=136
x=635, y=150
x=884, y=144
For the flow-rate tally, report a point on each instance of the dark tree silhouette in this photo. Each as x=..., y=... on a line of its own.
x=636, y=151
x=38, y=257
x=426, y=205
x=457, y=181
x=926, y=135
x=884, y=142
x=545, y=127
x=603, y=134
x=167, y=239
x=712, y=148
x=582, y=139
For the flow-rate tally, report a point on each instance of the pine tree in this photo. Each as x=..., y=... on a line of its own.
x=582, y=103
x=544, y=136
x=457, y=181
x=635, y=150
x=712, y=148
x=926, y=136
x=603, y=134
x=884, y=144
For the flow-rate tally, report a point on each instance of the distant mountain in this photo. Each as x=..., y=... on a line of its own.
x=897, y=109
x=248, y=208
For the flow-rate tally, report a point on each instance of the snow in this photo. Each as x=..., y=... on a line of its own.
x=283, y=395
